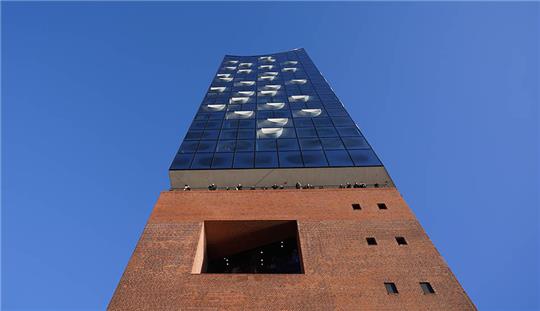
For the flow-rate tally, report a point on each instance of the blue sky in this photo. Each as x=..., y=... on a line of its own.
x=96, y=98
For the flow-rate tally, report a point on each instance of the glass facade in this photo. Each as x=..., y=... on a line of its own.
x=272, y=111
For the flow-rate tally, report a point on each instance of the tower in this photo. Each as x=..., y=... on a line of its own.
x=278, y=202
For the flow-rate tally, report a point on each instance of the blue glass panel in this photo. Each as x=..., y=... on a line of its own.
x=222, y=160
x=245, y=145
x=210, y=134
x=266, y=145
x=327, y=132
x=230, y=124
x=322, y=122
x=213, y=124
x=303, y=122
x=266, y=159
x=194, y=135
x=228, y=134
x=189, y=146
x=202, y=160
x=310, y=144
x=243, y=160
x=226, y=146
x=332, y=143
x=314, y=158
x=182, y=161
x=246, y=134
x=355, y=142
x=306, y=132
x=290, y=159
x=287, y=144
x=364, y=157
x=246, y=124
x=348, y=131
x=338, y=158
x=207, y=146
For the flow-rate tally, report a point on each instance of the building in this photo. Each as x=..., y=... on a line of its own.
x=279, y=203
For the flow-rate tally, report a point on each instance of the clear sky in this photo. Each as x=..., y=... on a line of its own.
x=96, y=98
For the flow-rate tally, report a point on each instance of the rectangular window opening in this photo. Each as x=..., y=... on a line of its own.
x=382, y=206
x=356, y=206
x=250, y=246
x=427, y=288
x=391, y=288
x=401, y=240
x=371, y=241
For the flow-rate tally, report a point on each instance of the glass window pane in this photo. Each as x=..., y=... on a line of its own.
x=243, y=160
x=207, y=146
x=364, y=157
x=355, y=142
x=306, y=132
x=226, y=146
x=338, y=158
x=348, y=131
x=202, y=160
x=228, y=134
x=210, y=134
x=189, y=146
x=303, y=122
x=310, y=144
x=326, y=132
x=222, y=160
x=245, y=145
x=182, y=161
x=322, y=122
x=287, y=144
x=266, y=159
x=290, y=159
x=332, y=143
x=246, y=124
x=314, y=159
x=193, y=135
x=246, y=134
x=266, y=145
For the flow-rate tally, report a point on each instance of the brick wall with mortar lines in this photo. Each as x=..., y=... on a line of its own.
x=342, y=272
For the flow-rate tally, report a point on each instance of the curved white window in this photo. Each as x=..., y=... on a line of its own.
x=299, y=98
x=232, y=62
x=244, y=83
x=290, y=62
x=289, y=69
x=245, y=93
x=269, y=132
x=267, y=59
x=267, y=78
x=223, y=75
x=245, y=65
x=215, y=107
x=230, y=68
x=226, y=79
x=278, y=121
x=267, y=93
x=270, y=106
x=217, y=89
x=298, y=81
x=271, y=87
x=270, y=73
x=266, y=67
x=307, y=112
x=240, y=114
x=244, y=71
x=238, y=100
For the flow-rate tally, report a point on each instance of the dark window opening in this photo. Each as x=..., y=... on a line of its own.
x=391, y=288
x=382, y=206
x=401, y=240
x=371, y=241
x=356, y=206
x=427, y=288
x=256, y=246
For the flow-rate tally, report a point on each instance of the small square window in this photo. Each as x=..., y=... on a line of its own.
x=371, y=241
x=427, y=288
x=401, y=240
x=382, y=206
x=391, y=288
x=356, y=206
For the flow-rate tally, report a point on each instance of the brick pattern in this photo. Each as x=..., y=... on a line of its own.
x=342, y=272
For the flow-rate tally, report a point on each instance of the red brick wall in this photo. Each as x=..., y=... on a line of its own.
x=341, y=271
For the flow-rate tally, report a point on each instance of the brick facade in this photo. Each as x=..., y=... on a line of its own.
x=342, y=272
